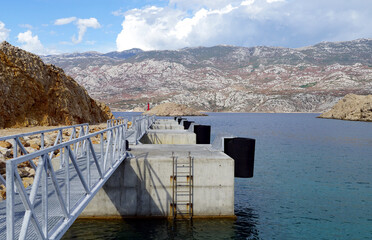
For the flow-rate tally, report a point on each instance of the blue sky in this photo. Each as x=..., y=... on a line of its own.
x=52, y=27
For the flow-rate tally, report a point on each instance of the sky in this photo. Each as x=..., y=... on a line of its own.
x=53, y=27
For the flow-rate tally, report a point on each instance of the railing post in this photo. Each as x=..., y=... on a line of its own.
x=44, y=188
x=60, y=154
x=67, y=179
x=10, y=188
x=44, y=194
x=88, y=168
x=15, y=148
x=102, y=150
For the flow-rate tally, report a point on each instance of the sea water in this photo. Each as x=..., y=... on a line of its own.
x=312, y=180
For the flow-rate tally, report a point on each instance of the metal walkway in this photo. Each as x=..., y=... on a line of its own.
x=60, y=192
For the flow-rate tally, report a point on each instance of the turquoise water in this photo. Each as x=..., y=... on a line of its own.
x=313, y=180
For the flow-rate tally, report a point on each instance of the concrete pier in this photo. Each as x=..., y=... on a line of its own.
x=168, y=131
x=142, y=185
x=166, y=124
x=169, y=137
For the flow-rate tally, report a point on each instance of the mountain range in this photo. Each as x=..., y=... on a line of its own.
x=226, y=78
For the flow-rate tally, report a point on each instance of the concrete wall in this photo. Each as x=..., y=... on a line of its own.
x=169, y=124
x=142, y=187
x=169, y=137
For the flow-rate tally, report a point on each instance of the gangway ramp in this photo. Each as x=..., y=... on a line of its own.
x=47, y=208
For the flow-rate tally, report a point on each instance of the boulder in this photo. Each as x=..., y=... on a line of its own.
x=7, y=153
x=5, y=144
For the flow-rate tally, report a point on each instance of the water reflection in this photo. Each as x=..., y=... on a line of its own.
x=246, y=224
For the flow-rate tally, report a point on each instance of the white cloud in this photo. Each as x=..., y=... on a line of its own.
x=244, y=22
x=64, y=21
x=272, y=1
x=247, y=2
x=118, y=12
x=4, y=32
x=28, y=26
x=32, y=44
x=82, y=25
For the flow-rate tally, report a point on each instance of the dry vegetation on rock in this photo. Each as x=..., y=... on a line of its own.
x=33, y=93
x=173, y=109
x=352, y=107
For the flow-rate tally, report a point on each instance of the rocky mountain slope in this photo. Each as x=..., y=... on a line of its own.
x=351, y=107
x=33, y=93
x=227, y=78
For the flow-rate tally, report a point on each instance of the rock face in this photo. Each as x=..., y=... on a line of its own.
x=227, y=78
x=33, y=93
x=351, y=107
x=173, y=109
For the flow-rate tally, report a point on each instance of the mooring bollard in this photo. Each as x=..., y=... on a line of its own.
x=242, y=151
x=203, y=134
x=186, y=124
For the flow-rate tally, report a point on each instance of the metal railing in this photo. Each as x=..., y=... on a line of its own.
x=141, y=125
x=70, y=188
x=116, y=121
x=74, y=132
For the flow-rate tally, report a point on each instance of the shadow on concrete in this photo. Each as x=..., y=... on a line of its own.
x=136, y=190
x=153, y=138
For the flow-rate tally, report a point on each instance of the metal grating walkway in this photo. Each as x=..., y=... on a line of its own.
x=63, y=185
x=55, y=215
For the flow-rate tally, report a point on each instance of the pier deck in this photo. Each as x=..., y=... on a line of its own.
x=142, y=186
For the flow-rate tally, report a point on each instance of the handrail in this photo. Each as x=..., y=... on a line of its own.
x=116, y=121
x=103, y=161
x=84, y=129
x=141, y=125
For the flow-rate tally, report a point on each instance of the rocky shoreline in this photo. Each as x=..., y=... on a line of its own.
x=352, y=107
x=173, y=109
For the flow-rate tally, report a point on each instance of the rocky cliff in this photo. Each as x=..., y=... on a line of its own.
x=351, y=107
x=34, y=93
x=227, y=78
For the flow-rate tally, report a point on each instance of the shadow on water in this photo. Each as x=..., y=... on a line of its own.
x=242, y=228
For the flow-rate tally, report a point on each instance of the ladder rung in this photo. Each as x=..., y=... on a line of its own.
x=182, y=179
x=183, y=201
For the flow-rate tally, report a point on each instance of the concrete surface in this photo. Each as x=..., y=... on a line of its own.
x=142, y=187
x=170, y=124
x=169, y=137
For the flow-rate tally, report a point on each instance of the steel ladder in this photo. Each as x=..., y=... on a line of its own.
x=182, y=184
